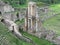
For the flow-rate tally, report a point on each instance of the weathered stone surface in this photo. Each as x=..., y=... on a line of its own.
x=7, y=11
x=51, y=35
x=57, y=40
x=32, y=22
x=5, y=8
x=8, y=8
x=43, y=34
x=10, y=16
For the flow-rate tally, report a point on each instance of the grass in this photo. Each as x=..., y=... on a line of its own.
x=55, y=7
x=37, y=40
x=19, y=21
x=52, y=10
x=53, y=24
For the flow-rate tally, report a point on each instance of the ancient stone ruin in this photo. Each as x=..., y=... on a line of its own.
x=33, y=24
x=32, y=20
x=8, y=12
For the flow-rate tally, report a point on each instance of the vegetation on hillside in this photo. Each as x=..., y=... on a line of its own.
x=23, y=3
x=53, y=24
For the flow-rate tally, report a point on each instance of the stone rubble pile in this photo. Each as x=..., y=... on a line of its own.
x=51, y=36
x=46, y=13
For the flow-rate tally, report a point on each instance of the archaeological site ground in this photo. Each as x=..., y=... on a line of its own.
x=29, y=22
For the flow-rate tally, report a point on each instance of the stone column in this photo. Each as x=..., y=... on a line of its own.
x=26, y=20
x=28, y=24
x=31, y=23
x=32, y=14
x=36, y=26
x=37, y=20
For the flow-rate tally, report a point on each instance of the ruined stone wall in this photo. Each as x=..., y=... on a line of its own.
x=10, y=16
x=8, y=8
x=1, y=9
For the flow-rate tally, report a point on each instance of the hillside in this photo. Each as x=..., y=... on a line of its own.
x=7, y=38
x=53, y=23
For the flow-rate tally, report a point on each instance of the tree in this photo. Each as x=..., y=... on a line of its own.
x=53, y=1
x=21, y=2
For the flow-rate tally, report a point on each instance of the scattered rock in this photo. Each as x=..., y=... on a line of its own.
x=57, y=40
x=51, y=35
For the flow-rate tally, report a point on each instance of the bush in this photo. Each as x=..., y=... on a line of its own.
x=40, y=4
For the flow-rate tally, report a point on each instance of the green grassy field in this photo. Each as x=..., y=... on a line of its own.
x=54, y=22
x=55, y=7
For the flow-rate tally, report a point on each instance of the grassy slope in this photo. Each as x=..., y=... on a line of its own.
x=10, y=37
x=15, y=41
x=54, y=22
x=55, y=7
x=37, y=40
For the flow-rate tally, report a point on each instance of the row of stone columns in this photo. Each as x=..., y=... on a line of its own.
x=32, y=18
